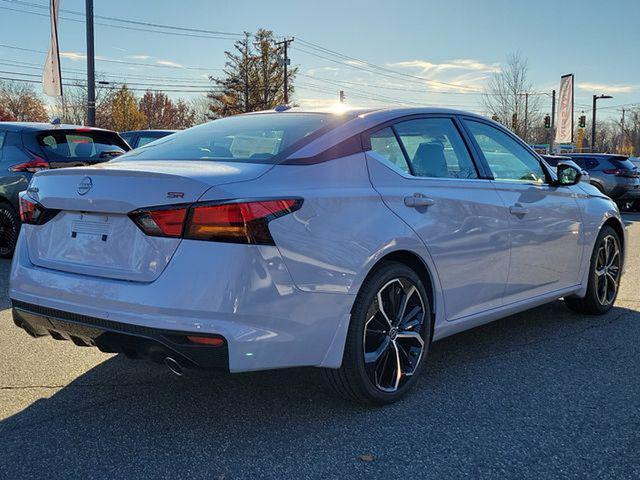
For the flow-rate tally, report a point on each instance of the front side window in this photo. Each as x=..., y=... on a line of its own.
x=435, y=148
x=507, y=159
x=385, y=144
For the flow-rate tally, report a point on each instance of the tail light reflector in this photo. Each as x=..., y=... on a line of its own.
x=162, y=223
x=611, y=171
x=211, y=341
x=232, y=221
x=32, y=212
x=34, y=164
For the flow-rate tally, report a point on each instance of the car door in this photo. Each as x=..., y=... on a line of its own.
x=424, y=172
x=544, y=220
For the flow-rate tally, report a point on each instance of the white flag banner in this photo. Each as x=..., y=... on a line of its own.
x=564, y=125
x=51, y=75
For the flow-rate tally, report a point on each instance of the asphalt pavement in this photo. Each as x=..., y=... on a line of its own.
x=543, y=394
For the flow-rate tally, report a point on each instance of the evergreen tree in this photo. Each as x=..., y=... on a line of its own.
x=253, y=77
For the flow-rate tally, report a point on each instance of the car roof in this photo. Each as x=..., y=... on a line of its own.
x=149, y=131
x=42, y=126
x=350, y=112
x=598, y=155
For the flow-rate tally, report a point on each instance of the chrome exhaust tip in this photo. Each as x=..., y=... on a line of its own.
x=173, y=365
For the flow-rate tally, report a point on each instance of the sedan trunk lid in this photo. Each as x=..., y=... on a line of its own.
x=92, y=233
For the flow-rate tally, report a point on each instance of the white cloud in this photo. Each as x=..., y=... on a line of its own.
x=75, y=56
x=140, y=57
x=461, y=74
x=332, y=70
x=458, y=64
x=604, y=88
x=169, y=63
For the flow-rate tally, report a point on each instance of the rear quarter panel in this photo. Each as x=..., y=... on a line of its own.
x=342, y=229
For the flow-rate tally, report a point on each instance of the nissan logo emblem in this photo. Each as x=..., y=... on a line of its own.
x=85, y=185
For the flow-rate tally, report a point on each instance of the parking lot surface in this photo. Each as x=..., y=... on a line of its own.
x=543, y=394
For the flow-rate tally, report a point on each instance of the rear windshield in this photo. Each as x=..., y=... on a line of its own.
x=63, y=145
x=258, y=138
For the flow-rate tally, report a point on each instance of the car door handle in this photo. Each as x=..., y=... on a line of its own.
x=518, y=209
x=418, y=200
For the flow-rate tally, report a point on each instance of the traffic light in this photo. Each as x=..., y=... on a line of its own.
x=547, y=121
x=342, y=96
x=582, y=121
x=514, y=121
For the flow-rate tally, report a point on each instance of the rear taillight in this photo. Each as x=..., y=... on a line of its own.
x=34, y=164
x=32, y=212
x=230, y=221
x=611, y=171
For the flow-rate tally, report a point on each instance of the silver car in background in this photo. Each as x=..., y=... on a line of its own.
x=347, y=241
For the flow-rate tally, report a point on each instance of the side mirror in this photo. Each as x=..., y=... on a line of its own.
x=568, y=174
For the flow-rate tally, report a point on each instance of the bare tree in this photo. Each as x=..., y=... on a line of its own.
x=200, y=107
x=511, y=92
x=19, y=101
x=72, y=106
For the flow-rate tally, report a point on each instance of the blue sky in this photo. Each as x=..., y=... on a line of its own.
x=460, y=42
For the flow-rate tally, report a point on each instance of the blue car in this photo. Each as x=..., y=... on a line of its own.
x=26, y=148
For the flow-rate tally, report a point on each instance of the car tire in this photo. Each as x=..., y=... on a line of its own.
x=9, y=229
x=604, y=275
x=388, y=340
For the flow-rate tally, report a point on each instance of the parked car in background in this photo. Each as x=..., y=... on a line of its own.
x=26, y=148
x=289, y=238
x=553, y=160
x=614, y=175
x=139, y=138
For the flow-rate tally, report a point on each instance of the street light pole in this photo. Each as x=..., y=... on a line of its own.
x=593, y=119
x=91, y=67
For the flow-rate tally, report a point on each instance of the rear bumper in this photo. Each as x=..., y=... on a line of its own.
x=114, y=337
x=242, y=293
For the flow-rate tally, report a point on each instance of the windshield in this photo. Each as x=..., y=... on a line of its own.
x=258, y=138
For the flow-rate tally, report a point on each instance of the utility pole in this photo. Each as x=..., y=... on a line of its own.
x=593, y=120
x=246, y=72
x=526, y=116
x=553, y=121
x=622, y=133
x=286, y=61
x=91, y=67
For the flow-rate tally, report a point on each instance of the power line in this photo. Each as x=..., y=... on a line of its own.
x=150, y=85
x=100, y=74
x=123, y=62
x=106, y=86
x=211, y=34
x=378, y=67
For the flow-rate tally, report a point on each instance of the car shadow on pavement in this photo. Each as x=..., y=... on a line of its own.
x=509, y=393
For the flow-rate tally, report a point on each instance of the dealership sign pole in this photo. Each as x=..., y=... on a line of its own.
x=51, y=75
x=564, y=129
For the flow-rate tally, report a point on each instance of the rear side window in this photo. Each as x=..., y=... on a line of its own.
x=435, y=149
x=68, y=145
x=385, y=144
x=257, y=138
x=143, y=140
x=128, y=137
